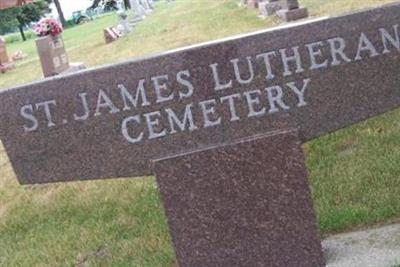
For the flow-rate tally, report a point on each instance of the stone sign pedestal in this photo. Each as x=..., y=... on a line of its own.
x=241, y=204
x=52, y=54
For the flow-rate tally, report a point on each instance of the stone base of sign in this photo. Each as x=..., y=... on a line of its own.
x=293, y=14
x=269, y=8
x=4, y=67
x=241, y=204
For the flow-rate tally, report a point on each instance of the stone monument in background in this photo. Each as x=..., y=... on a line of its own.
x=292, y=11
x=5, y=62
x=50, y=47
x=288, y=10
x=123, y=23
x=52, y=55
x=3, y=52
x=138, y=12
x=146, y=6
x=269, y=7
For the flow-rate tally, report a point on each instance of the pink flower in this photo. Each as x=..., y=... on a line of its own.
x=48, y=26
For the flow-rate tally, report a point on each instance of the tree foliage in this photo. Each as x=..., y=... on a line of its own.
x=19, y=17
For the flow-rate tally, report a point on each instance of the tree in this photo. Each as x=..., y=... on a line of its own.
x=60, y=12
x=8, y=22
x=21, y=16
x=30, y=13
x=95, y=4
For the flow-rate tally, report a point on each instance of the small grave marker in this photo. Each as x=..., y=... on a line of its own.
x=269, y=7
x=138, y=12
x=292, y=11
x=220, y=124
x=3, y=52
x=5, y=63
x=111, y=34
x=123, y=23
x=252, y=3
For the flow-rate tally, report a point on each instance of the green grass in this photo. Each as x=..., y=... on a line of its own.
x=354, y=173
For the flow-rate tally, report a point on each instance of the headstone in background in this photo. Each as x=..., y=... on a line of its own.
x=5, y=62
x=138, y=12
x=111, y=34
x=151, y=3
x=53, y=56
x=292, y=11
x=123, y=23
x=253, y=3
x=269, y=7
x=18, y=55
x=242, y=2
x=3, y=52
x=146, y=6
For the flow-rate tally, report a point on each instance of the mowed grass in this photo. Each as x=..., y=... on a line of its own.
x=354, y=173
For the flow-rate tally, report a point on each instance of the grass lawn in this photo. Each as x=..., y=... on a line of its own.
x=354, y=173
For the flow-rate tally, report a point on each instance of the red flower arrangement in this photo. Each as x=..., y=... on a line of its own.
x=48, y=26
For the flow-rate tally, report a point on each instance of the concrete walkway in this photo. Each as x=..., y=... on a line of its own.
x=378, y=247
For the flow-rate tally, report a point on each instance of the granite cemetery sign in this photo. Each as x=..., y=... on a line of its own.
x=220, y=124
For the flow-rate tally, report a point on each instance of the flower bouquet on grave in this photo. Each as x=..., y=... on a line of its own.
x=50, y=47
x=48, y=27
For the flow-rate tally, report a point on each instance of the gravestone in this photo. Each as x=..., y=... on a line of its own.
x=3, y=52
x=242, y=2
x=151, y=3
x=220, y=124
x=5, y=62
x=138, y=12
x=292, y=11
x=269, y=7
x=146, y=6
x=123, y=23
x=52, y=55
x=252, y=3
x=111, y=34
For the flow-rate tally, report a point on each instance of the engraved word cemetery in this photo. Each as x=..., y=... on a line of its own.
x=220, y=125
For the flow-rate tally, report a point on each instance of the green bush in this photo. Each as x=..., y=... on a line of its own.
x=69, y=24
x=16, y=37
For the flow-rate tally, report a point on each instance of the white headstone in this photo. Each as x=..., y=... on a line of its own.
x=146, y=6
x=123, y=23
x=138, y=11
